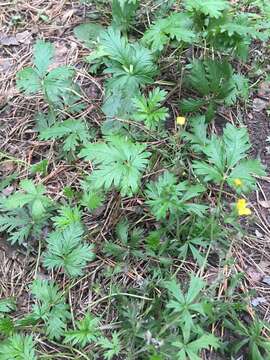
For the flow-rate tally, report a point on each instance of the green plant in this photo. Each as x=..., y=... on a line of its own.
x=73, y=133
x=123, y=13
x=119, y=162
x=215, y=82
x=85, y=333
x=91, y=198
x=130, y=64
x=31, y=196
x=177, y=26
x=146, y=183
x=18, y=347
x=211, y=8
x=225, y=157
x=185, y=306
x=129, y=243
x=111, y=347
x=168, y=196
x=67, y=216
x=251, y=337
x=149, y=110
x=56, y=84
x=25, y=212
x=191, y=349
x=65, y=250
x=50, y=308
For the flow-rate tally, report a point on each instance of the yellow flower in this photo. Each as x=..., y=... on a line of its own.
x=242, y=208
x=180, y=120
x=238, y=182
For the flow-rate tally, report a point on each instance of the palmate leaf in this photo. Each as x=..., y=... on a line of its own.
x=236, y=142
x=214, y=81
x=74, y=132
x=149, y=109
x=7, y=305
x=176, y=26
x=245, y=172
x=191, y=105
x=167, y=196
x=86, y=331
x=198, y=134
x=186, y=304
x=112, y=347
x=123, y=13
x=225, y=158
x=131, y=65
x=192, y=349
x=92, y=197
x=208, y=171
x=7, y=326
x=58, y=83
x=19, y=224
x=214, y=151
x=67, y=216
x=43, y=56
x=66, y=250
x=120, y=163
x=192, y=246
x=32, y=195
x=18, y=347
x=212, y=8
x=28, y=80
x=88, y=33
x=50, y=308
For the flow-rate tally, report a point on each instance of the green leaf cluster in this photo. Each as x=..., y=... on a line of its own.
x=65, y=250
x=177, y=26
x=215, y=82
x=149, y=110
x=55, y=84
x=119, y=163
x=167, y=196
x=73, y=132
x=50, y=308
x=225, y=157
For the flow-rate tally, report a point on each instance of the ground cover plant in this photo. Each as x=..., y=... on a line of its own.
x=132, y=254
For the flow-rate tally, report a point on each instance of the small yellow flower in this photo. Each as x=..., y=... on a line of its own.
x=180, y=120
x=242, y=208
x=238, y=182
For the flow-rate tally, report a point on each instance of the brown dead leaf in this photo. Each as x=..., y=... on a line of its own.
x=259, y=104
x=7, y=167
x=24, y=37
x=60, y=55
x=7, y=40
x=67, y=15
x=254, y=274
x=265, y=204
x=5, y=64
x=264, y=89
x=266, y=280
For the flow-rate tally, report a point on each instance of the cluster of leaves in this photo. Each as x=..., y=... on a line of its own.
x=167, y=320
x=225, y=156
x=25, y=212
x=56, y=84
x=216, y=84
